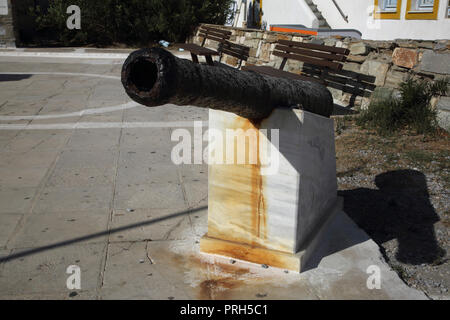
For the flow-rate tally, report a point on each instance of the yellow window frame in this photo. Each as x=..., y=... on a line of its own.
x=378, y=14
x=417, y=15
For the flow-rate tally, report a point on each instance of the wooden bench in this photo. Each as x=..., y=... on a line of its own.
x=321, y=64
x=199, y=50
x=324, y=57
x=235, y=50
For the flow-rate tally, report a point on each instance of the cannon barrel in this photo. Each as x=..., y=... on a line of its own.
x=155, y=77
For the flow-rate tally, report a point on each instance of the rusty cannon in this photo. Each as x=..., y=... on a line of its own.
x=154, y=77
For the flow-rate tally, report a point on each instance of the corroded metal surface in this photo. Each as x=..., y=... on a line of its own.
x=155, y=77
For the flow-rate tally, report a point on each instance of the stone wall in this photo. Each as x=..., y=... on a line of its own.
x=390, y=62
x=7, y=38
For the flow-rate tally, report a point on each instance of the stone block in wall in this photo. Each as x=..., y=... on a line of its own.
x=443, y=113
x=435, y=62
x=284, y=37
x=395, y=78
x=253, y=52
x=250, y=35
x=340, y=44
x=252, y=43
x=297, y=39
x=211, y=44
x=357, y=59
x=266, y=50
x=442, y=45
x=294, y=66
x=350, y=66
x=330, y=42
x=252, y=61
x=270, y=37
x=382, y=45
x=230, y=60
x=377, y=69
x=359, y=48
x=407, y=58
x=336, y=93
x=415, y=44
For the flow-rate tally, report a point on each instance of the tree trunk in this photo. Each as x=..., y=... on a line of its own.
x=155, y=77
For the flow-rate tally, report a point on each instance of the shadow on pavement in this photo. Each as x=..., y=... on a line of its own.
x=400, y=209
x=14, y=77
x=96, y=235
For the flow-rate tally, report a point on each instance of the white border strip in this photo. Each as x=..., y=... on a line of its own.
x=74, y=55
x=105, y=125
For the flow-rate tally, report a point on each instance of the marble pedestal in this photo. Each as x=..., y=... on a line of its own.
x=269, y=208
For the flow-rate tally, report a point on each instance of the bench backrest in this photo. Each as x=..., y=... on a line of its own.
x=213, y=34
x=325, y=63
x=235, y=50
x=315, y=54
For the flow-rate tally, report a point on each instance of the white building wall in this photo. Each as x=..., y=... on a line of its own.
x=283, y=12
x=288, y=12
x=360, y=17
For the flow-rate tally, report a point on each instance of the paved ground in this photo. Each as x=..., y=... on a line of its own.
x=86, y=179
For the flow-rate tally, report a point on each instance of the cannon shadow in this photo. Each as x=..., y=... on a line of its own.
x=400, y=209
x=14, y=77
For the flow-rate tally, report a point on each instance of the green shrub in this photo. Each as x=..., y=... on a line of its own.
x=411, y=110
x=132, y=22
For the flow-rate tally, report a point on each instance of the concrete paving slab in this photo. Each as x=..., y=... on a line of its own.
x=98, y=139
x=22, y=177
x=7, y=227
x=42, y=229
x=45, y=140
x=148, y=138
x=134, y=157
x=151, y=196
x=205, y=278
x=69, y=295
x=45, y=272
x=81, y=177
x=178, y=228
x=158, y=174
x=130, y=273
x=87, y=159
x=16, y=200
x=55, y=199
x=32, y=159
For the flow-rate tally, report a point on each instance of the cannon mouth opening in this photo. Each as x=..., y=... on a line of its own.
x=143, y=75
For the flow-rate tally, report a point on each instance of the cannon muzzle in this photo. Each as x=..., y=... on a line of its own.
x=155, y=77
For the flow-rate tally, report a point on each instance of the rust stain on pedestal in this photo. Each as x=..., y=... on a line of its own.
x=238, y=218
x=242, y=187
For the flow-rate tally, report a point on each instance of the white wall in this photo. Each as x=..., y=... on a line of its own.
x=288, y=12
x=284, y=12
x=360, y=16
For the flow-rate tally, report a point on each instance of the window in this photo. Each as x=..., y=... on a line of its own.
x=448, y=9
x=422, y=9
x=387, y=9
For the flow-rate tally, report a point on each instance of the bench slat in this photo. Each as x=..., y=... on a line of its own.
x=215, y=34
x=317, y=62
x=198, y=50
x=315, y=47
x=315, y=54
x=237, y=47
x=211, y=37
x=234, y=54
x=224, y=32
